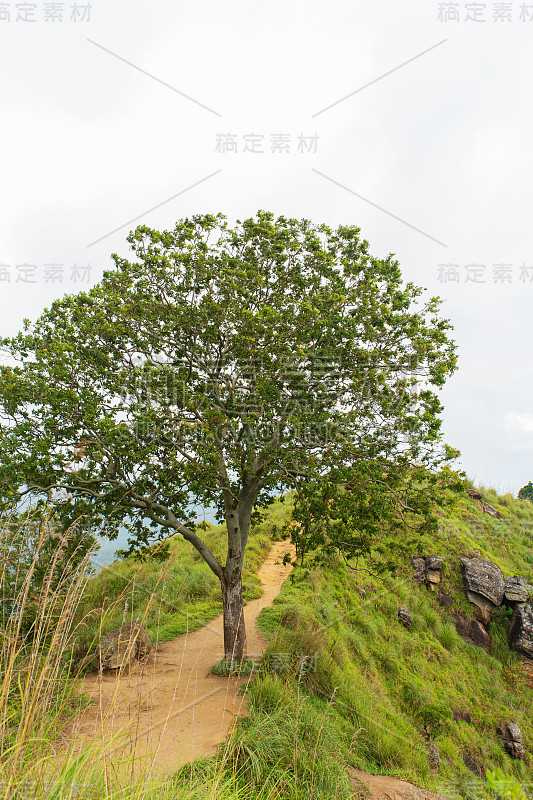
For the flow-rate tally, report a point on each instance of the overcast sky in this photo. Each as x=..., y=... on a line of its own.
x=413, y=121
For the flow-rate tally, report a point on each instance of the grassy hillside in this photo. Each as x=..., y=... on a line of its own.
x=343, y=682
x=377, y=684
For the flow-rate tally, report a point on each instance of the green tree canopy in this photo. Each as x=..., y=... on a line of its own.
x=526, y=492
x=218, y=366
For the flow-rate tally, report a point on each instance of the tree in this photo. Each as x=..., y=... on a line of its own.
x=221, y=365
x=526, y=492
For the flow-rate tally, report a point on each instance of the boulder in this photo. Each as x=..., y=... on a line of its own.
x=121, y=647
x=521, y=632
x=483, y=608
x=419, y=565
x=484, y=585
x=488, y=509
x=405, y=617
x=512, y=740
x=516, y=589
x=434, y=563
x=472, y=631
x=432, y=578
x=427, y=568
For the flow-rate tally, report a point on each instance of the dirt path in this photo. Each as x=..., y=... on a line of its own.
x=383, y=787
x=171, y=710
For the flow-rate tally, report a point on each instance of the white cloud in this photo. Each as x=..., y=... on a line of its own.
x=440, y=142
x=518, y=422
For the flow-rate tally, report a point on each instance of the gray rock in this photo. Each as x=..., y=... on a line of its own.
x=488, y=509
x=121, y=647
x=434, y=562
x=512, y=740
x=513, y=732
x=484, y=579
x=521, y=632
x=427, y=569
x=517, y=589
x=419, y=565
x=405, y=617
x=483, y=608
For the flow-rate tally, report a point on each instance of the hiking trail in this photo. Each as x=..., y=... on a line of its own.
x=170, y=709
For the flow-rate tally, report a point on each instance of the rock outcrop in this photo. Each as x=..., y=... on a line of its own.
x=405, y=617
x=428, y=569
x=488, y=509
x=484, y=507
x=484, y=585
x=521, y=632
x=434, y=563
x=472, y=631
x=512, y=740
x=517, y=589
x=419, y=565
x=121, y=647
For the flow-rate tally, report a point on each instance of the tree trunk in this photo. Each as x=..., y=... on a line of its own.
x=233, y=607
x=238, y=515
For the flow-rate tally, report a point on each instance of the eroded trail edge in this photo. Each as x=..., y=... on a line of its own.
x=170, y=709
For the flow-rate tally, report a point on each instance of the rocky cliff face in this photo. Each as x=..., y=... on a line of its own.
x=521, y=633
x=484, y=584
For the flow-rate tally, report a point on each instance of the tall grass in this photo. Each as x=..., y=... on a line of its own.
x=44, y=618
x=37, y=629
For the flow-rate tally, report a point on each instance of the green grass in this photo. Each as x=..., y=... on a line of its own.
x=343, y=683
x=387, y=679
x=177, y=596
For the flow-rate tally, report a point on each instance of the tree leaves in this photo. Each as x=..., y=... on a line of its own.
x=222, y=364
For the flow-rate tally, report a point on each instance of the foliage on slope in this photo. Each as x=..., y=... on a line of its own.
x=377, y=685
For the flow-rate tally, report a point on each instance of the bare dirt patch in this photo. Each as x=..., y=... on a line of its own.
x=170, y=709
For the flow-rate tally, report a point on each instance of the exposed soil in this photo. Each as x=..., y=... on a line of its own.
x=383, y=787
x=170, y=709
